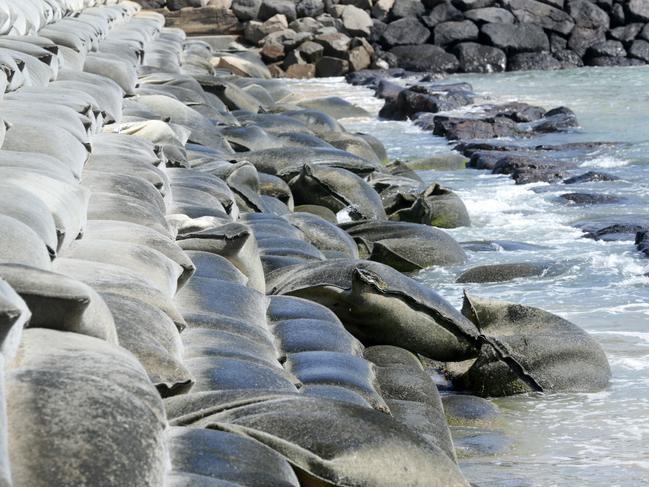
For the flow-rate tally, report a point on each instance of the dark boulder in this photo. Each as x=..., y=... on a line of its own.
x=617, y=15
x=427, y=99
x=490, y=15
x=587, y=14
x=606, y=48
x=246, y=9
x=541, y=14
x=405, y=31
x=526, y=61
x=639, y=10
x=584, y=199
x=589, y=177
x=473, y=4
x=452, y=32
x=626, y=33
x=464, y=128
x=517, y=111
x=407, y=8
x=642, y=242
x=555, y=120
x=516, y=37
x=335, y=45
x=557, y=43
x=568, y=59
x=309, y=8
x=476, y=58
x=525, y=170
x=443, y=12
x=640, y=50
x=328, y=66
x=273, y=7
x=582, y=38
x=608, y=61
x=425, y=57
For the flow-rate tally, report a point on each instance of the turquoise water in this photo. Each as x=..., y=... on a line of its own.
x=562, y=439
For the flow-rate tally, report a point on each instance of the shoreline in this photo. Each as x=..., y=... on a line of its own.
x=216, y=285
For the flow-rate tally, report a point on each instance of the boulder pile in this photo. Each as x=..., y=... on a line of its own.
x=307, y=38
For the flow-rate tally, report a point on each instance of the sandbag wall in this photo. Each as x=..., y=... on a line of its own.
x=183, y=300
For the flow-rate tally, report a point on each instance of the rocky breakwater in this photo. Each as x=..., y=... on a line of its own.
x=307, y=38
x=502, y=138
x=203, y=280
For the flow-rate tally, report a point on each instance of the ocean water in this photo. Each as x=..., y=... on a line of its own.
x=597, y=439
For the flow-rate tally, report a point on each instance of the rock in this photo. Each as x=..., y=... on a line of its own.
x=490, y=15
x=272, y=52
x=335, y=45
x=473, y=4
x=301, y=71
x=306, y=24
x=590, y=176
x=273, y=7
x=588, y=15
x=555, y=120
x=640, y=50
x=621, y=227
x=459, y=128
x=476, y=58
x=606, y=48
x=516, y=37
x=356, y=22
x=425, y=57
x=541, y=14
x=257, y=31
x=582, y=38
x=526, y=170
x=614, y=61
x=639, y=10
x=617, y=15
x=246, y=9
x=309, y=8
x=526, y=61
x=642, y=242
x=626, y=33
x=420, y=98
x=557, y=43
x=328, y=66
x=589, y=198
x=407, y=8
x=451, y=32
x=311, y=51
x=442, y=13
x=381, y=9
x=405, y=31
x=568, y=59
x=359, y=58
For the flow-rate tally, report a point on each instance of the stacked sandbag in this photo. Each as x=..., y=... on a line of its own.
x=178, y=227
x=79, y=402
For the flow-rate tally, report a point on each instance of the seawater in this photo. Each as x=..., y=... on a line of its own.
x=597, y=439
